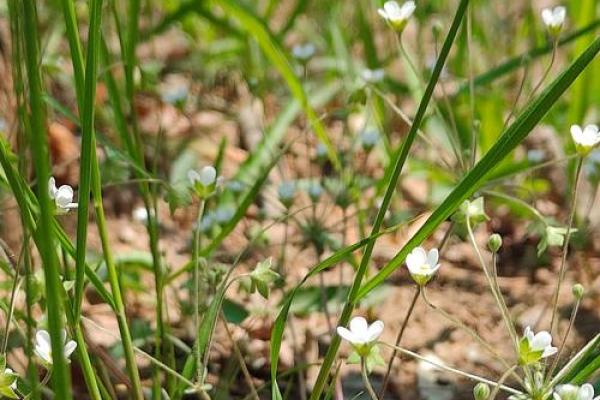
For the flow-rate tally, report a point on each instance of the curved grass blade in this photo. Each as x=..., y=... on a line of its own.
x=276, y=55
x=513, y=135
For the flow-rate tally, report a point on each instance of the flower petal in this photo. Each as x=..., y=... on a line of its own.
x=346, y=334
x=540, y=341
x=359, y=326
x=433, y=257
x=69, y=348
x=375, y=330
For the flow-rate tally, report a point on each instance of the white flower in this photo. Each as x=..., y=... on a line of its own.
x=140, y=214
x=206, y=177
x=554, y=18
x=361, y=335
x=372, y=75
x=43, y=347
x=572, y=392
x=534, y=347
x=304, y=52
x=585, y=139
x=62, y=196
x=423, y=265
x=397, y=16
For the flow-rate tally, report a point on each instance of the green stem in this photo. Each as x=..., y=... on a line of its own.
x=565, y=249
x=398, y=162
x=61, y=377
x=196, y=295
x=496, y=293
x=398, y=340
x=115, y=285
x=365, y=379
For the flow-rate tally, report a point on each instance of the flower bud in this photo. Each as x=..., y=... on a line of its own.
x=494, y=242
x=481, y=391
x=578, y=291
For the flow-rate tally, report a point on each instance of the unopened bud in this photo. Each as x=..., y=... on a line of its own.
x=578, y=291
x=481, y=391
x=495, y=242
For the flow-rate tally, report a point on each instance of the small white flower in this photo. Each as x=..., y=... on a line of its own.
x=572, y=392
x=397, y=16
x=554, y=18
x=43, y=347
x=361, y=334
x=62, y=196
x=535, y=346
x=423, y=265
x=304, y=52
x=372, y=75
x=140, y=214
x=585, y=139
x=206, y=177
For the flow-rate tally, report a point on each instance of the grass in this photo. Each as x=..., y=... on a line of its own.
x=455, y=109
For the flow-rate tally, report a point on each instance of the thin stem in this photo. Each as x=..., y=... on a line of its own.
x=565, y=249
x=365, y=379
x=497, y=295
x=564, y=340
x=502, y=379
x=240, y=358
x=547, y=71
x=115, y=285
x=196, y=287
x=398, y=339
x=473, y=377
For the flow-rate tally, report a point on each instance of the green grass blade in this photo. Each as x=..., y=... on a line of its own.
x=476, y=177
x=391, y=178
x=276, y=55
x=60, y=374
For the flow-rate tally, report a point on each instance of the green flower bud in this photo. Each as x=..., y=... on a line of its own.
x=578, y=291
x=494, y=242
x=481, y=391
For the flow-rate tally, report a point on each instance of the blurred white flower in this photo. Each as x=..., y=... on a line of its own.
x=315, y=190
x=397, y=15
x=62, y=196
x=585, y=139
x=140, y=214
x=361, y=333
x=572, y=392
x=304, y=52
x=422, y=265
x=286, y=192
x=535, y=346
x=207, y=176
x=43, y=347
x=372, y=75
x=554, y=18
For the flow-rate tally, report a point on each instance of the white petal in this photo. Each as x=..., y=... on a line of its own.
x=359, y=326
x=346, y=334
x=408, y=9
x=382, y=13
x=208, y=175
x=432, y=257
x=549, y=351
x=64, y=196
x=416, y=259
x=193, y=176
x=540, y=341
x=586, y=392
x=576, y=133
x=560, y=13
x=69, y=348
x=42, y=340
x=375, y=330
x=52, y=187
x=547, y=16
x=391, y=8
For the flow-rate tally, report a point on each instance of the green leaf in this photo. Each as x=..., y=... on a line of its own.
x=476, y=177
